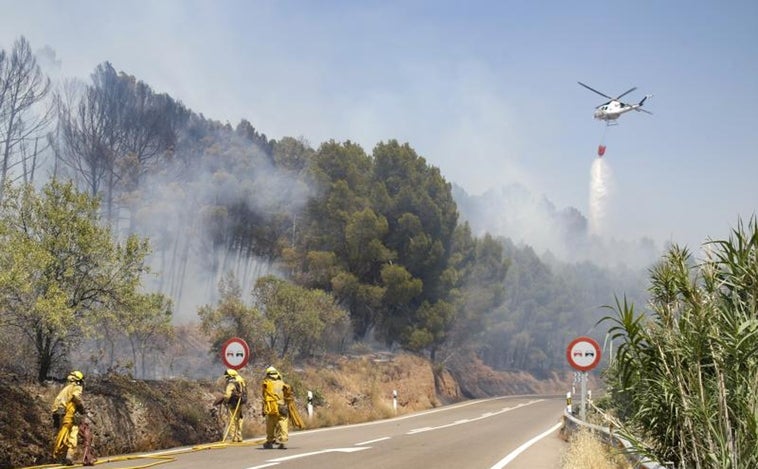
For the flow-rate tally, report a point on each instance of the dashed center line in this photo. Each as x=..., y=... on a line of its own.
x=372, y=441
x=459, y=422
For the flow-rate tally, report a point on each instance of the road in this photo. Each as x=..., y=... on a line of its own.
x=517, y=432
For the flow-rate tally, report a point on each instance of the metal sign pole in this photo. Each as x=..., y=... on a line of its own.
x=583, y=411
x=583, y=354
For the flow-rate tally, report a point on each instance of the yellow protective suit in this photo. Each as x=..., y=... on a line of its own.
x=275, y=409
x=235, y=407
x=67, y=402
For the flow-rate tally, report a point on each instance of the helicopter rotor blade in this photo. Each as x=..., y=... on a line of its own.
x=596, y=91
x=626, y=93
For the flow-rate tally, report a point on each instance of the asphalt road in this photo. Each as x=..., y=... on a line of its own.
x=515, y=432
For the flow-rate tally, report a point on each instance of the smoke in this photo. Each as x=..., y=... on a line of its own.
x=514, y=212
x=214, y=208
x=601, y=182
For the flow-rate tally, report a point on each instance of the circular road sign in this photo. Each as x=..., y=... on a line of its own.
x=235, y=353
x=583, y=353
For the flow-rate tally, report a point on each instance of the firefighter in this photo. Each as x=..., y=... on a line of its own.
x=276, y=394
x=235, y=398
x=67, y=412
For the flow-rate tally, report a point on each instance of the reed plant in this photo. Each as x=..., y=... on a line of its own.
x=684, y=381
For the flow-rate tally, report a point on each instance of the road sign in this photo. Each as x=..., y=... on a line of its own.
x=235, y=353
x=583, y=353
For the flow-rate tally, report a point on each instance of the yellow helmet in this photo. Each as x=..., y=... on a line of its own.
x=231, y=373
x=75, y=376
x=271, y=371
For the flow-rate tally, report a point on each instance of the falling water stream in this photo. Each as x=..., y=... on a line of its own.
x=601, y=180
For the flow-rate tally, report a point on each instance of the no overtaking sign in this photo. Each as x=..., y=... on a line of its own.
x=235, y=353
x=583, y=353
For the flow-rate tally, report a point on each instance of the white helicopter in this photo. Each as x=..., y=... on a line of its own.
x=612, y=109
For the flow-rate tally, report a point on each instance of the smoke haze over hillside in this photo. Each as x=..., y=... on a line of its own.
x=197, y=200
x=485, y=91
x=516, y=213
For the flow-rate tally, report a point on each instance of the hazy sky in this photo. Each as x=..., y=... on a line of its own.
x=485, y=90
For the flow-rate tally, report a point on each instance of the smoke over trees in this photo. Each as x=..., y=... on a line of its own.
x=330, y=229
x=115, y=132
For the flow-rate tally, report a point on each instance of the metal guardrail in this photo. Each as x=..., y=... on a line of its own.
x=609, y=437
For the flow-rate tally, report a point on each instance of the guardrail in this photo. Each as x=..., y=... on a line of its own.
x=606, y=434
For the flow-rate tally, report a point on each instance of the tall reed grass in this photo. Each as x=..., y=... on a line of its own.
x=684, y=381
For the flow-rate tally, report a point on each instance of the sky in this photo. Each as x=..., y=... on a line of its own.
x=484, y=90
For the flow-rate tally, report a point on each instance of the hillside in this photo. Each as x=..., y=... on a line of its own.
x=135, y=415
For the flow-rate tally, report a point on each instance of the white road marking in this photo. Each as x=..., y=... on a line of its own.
x=421, y=430
x=504, y=462
x=276, y=461
x=330, y=450
x=413, y=415
x=484, y=416
x=264, y=465
x=372, y=441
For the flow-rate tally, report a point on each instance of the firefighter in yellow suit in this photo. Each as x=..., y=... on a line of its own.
x=275, y=391
x=65, y=406
x=235, y=397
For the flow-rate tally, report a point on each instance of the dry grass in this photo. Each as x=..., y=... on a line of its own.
x=586, y=451
x=354, y=389
x=359, y=389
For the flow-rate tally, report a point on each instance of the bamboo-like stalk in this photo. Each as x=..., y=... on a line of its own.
x=686, y=374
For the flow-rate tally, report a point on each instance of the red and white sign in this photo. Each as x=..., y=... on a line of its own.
x=235, y=353
x=583, y=353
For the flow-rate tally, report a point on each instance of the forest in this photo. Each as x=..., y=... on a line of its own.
x=137, y=232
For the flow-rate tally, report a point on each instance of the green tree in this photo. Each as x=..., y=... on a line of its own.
x=146, y=322
x=231, y=317
x=479, y=268
x=422, y=217
x=379, y=234
x=60, y=270
x=304, y=321
x=292, y=154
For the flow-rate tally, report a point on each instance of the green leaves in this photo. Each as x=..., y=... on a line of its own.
x=283, y=321
x=685, y=374
x=63, y=274
x=380, y=235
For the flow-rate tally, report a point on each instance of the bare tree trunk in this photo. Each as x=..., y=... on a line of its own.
x=22, y=86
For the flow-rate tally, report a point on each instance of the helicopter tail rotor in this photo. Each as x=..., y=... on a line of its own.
x=639, y=108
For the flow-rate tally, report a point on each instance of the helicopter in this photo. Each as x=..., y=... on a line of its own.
x=611, y=110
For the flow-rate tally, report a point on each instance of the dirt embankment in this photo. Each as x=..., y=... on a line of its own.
x=133, y=416
x=127, y=415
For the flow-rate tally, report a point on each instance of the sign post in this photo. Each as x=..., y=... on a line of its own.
x=583, y=354
x=235, y=353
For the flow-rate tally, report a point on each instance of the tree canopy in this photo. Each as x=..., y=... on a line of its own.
x=282, y=320
x=62, y=273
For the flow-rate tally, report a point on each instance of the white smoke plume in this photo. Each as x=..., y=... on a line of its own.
x=601, y=188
